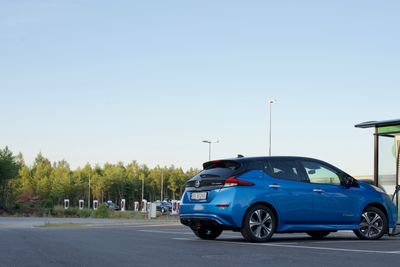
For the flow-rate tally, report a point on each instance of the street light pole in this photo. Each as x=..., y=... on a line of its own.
x=143, y=188
x=89, y=194
x=270, y=126
x=162, y=185
x=209, y=142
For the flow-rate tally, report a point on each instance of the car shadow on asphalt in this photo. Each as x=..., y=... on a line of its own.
x=293, y=240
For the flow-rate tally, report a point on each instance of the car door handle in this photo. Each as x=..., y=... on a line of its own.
x=318, y=190
x=276, y=186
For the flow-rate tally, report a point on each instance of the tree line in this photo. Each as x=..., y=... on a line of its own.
x=47, y=183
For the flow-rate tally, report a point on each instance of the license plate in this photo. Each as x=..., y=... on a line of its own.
x=199, y=196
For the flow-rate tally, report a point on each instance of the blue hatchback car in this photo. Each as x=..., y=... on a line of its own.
x=266, y=195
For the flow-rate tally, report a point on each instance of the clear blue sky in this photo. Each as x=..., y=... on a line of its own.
x=97, y=81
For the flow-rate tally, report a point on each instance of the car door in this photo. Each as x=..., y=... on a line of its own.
x=292, y=199
x=333, y=203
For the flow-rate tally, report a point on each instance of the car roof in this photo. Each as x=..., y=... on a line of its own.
x=266, y=158
x=263, y=158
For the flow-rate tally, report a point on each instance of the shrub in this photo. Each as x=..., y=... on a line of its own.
x=85, y=213
x=16, y=206
x=48, y=204
x=101, y=212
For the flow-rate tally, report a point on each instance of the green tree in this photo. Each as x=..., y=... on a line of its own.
x=175, y=181
x=21, y=187
x=9, y=167
x=97, y=184
x=53, y=183
x=41, y=181
x=61, y=183
x=134, y=183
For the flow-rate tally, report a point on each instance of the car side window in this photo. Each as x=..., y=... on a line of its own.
x=319, y=173
x=284, y=169
x=257, y=165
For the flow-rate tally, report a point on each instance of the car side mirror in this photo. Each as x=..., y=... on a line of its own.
x=349, y=181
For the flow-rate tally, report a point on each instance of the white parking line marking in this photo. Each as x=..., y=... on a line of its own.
x=350, y=241
x=290, y=245
x=233, y=242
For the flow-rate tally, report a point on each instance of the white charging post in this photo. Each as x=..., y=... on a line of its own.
x=81, y=204
x=151, y=210
x=178, y=203
x=66, y=204
x=136, y=206
x=174, y=209
x=123, y=204
x=144, y=205
x=95, y=204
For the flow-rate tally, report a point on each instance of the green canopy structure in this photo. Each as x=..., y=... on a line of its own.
x=386, y=154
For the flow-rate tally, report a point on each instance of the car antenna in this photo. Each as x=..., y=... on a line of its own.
x=240, y=156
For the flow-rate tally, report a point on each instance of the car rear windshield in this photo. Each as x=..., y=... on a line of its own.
x=215, y=172
x=222, y=164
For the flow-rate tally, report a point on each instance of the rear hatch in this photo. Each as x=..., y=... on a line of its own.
x=214, y=175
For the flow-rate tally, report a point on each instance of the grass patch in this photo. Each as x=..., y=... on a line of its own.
x=73, y=212
x=101, y=212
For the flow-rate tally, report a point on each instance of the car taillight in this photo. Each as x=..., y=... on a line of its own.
x=233, y=181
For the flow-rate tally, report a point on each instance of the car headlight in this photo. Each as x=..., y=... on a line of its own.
x=380, y=190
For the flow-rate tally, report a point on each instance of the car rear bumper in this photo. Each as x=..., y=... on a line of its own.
x=217, y=209
x=198, y=220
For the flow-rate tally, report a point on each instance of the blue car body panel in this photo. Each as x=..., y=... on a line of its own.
x=297, y=206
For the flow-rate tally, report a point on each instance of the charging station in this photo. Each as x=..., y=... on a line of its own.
x=66, y=204
x=136, y=206
x=175, y=207
x=386, y=156
x=95, y=204
x=123, y=204
x=144, y=205
x=81, y=204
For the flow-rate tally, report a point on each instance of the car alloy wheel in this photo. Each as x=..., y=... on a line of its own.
x=373, y=224
x=259, y=224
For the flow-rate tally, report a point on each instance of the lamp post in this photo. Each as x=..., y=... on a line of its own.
x=209, y=142
x=162, y=185
x=143, y=188
x=89, y=194
x=270, y=102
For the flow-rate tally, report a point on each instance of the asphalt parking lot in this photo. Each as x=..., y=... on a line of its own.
x=170, y=244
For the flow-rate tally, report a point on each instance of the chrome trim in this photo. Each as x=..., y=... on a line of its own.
x=274, y=186
x=318, y=190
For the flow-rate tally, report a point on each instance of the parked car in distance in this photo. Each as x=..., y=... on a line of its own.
x=265, y=195
x=111, y=205
x=163, y=206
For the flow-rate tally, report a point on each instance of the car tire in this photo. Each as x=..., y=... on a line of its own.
x=373, y=224
x=318, y=234
x=207, y=233
x=259, y=224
